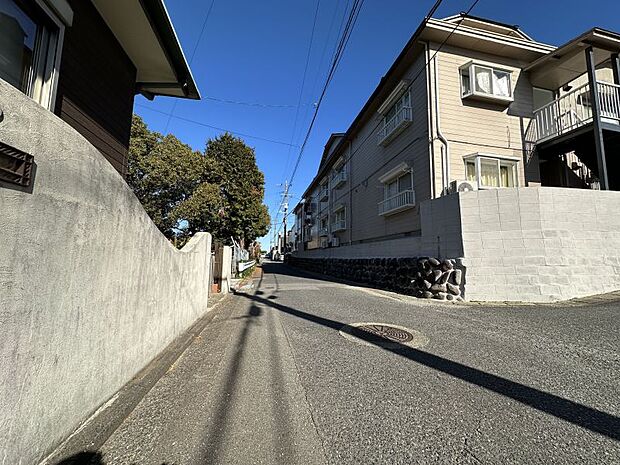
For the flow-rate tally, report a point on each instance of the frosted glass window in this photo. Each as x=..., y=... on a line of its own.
x=483, y=80
x=501, y=83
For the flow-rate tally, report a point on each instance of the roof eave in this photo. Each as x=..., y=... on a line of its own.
x=159, y=18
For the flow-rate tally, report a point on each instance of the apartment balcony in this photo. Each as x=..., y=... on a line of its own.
x=573, y=111
x=397, y=203
x=339, y=178
x=395, y=126
x=339, y=226
x=324, y=193
x=324, y=232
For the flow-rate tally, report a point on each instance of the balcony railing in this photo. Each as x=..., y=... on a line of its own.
x=339, y=178
x=339, y=226
x=324, y=232
x=394, y=125
x=397, y=203
x=574, y=110
x=324, y=193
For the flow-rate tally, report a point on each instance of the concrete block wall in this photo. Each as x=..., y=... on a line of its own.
x=540, y=243
x=531, y=244
x=90, y=290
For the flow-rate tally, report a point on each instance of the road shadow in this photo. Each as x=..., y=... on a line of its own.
x=216, y=434
x=573, y=412
x=88, y=458
x=84, y=458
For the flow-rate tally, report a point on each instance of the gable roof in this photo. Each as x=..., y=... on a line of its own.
x=491, y=25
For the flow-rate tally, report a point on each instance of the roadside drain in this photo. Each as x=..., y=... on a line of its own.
x=383, y=335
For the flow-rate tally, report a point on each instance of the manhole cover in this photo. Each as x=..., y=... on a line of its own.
x=383, y=335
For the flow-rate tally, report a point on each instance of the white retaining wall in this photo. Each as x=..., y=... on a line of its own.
x=90, y=290
x=540, y=243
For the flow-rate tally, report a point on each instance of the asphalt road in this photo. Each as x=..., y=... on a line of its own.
x=271, y=380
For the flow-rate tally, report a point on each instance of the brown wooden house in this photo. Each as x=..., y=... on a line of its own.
x=85, y=60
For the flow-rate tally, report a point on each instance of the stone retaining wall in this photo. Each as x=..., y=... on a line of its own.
x=424, y=277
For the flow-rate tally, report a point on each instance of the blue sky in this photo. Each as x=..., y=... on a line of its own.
x=255, y=52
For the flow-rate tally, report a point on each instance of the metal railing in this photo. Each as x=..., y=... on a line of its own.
x=324, y=232
x=339, y=225
x=398, y=202
x=609, y=97
x=339, y=177
x=396, y=122
x=574, y=110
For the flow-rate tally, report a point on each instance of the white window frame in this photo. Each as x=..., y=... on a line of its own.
x=341, y=210
x=397, y=173
x=401, y=119
x=338, y=175
x=43, y=79
x=469, y=70
x=500, y=161
x=397, y=178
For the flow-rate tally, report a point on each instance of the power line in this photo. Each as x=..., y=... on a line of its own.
x=191, y=58
x=323, y=52
x=251, y=104
x=199, y=123
x=348, y=29
x=303, y=80
x=372, y=132
x=357, y=5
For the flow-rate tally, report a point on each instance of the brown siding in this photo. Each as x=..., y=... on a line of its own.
x=96, y=85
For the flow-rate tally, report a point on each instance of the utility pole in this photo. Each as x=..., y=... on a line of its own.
x=285, y=197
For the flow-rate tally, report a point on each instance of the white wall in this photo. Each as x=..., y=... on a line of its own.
x=90, y=291
x=540, y=244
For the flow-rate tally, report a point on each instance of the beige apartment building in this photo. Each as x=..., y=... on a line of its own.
x=466, y=112
x=470, y=109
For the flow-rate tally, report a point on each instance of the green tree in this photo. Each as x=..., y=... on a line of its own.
x=163, y=172
x=242, y=188
x=185, y=191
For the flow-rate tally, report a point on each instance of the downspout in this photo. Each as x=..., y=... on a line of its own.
x=431, y=131
x=445, y=150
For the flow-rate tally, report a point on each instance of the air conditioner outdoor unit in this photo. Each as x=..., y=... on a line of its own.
x=463, y=186
x=335, y=242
